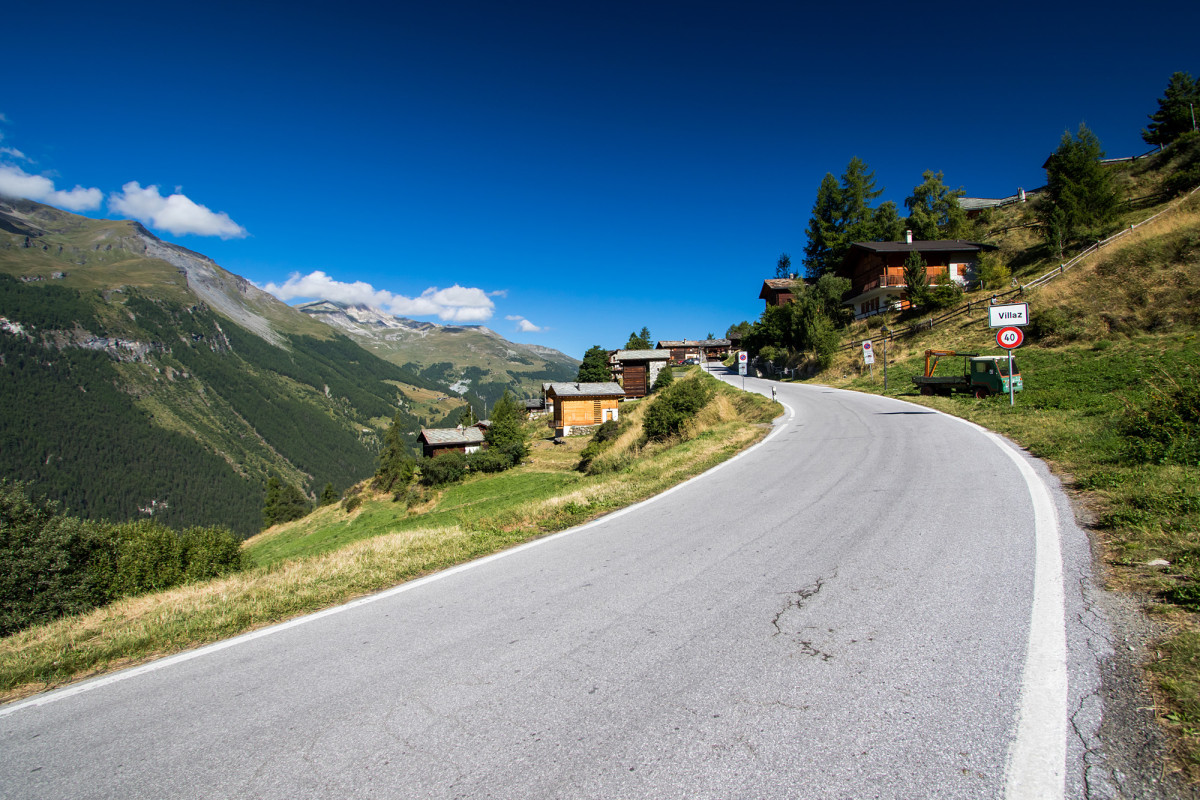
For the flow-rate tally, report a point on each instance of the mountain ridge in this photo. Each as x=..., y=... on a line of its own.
x=139, y=375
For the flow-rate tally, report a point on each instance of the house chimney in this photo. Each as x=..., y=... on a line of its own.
x=908, y=237
x=1021, y=193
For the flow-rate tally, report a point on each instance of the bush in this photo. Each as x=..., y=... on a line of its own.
x=52, y=565
x=211, y=552
x=674, y=407
x=604, y=434
x=143, y=556
x=943, y=294
x=443, y=469
x=45, y=562
x=666, y=377
x=492, y=459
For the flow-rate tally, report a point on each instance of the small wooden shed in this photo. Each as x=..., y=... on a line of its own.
x=582, y=405
x=639, y=370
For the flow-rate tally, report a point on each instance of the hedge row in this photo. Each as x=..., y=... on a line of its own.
x=53, y=565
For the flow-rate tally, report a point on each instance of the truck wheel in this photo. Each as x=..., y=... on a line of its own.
x=981, y=392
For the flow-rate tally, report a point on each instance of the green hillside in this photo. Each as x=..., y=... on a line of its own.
x=133, y=384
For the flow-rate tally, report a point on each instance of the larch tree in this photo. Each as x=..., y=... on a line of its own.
x=933, y=210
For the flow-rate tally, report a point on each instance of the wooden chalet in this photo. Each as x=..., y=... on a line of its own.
x=876, y=269
x=699, y=349
x=778, y=291
x=582, y=405
x=435, y=441
x=638, y=370
x=679, y=350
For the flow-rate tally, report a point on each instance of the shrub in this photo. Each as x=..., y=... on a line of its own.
x=210, y=552
x=945, y=293
x=144, y=556
x=603, y=435
x=674, y=406
x=666, y=377
x=493, y=459
x=443, y=469
x=45, y=561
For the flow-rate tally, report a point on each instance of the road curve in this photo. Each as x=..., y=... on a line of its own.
x=851, y=609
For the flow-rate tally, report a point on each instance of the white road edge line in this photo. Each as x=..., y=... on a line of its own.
x=1037, y=757
x=163, y=663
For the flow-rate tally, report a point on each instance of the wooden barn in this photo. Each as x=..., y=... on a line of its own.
x=583, y=405
x=639, y=370
x=435, y=441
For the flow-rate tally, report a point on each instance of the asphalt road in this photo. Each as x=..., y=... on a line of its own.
x=855, y=608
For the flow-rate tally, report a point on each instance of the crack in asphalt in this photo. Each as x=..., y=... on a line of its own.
x=795, y=602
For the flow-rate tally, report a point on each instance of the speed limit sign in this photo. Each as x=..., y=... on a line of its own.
x=1009, y=338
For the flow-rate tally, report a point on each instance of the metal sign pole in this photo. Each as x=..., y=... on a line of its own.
x=1012, y=392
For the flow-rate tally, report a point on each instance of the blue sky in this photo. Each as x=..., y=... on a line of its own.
x=564, y=173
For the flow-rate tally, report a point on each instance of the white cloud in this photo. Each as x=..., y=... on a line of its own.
x=524, y=325
x=453, y=304
x=14, y=152
x=175, y=213
x=16, y=182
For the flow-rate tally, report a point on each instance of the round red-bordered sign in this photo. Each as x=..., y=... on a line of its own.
x=1010, y=338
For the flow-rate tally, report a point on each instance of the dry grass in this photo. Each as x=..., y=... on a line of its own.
x=140, y=629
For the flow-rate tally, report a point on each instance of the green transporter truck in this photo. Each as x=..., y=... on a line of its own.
x=981, y=375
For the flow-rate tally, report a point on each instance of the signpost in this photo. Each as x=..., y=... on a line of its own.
x=1009, y=319
x=1011, y=314
x=742, y=357
x=1010, y=339
x=869, y=355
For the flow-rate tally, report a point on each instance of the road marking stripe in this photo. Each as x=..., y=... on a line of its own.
x=179, y=658
x=1037, y=757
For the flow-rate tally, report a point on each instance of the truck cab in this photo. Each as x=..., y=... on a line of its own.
x=990, y=374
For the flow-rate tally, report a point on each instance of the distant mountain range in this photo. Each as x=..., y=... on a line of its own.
x=471, y=359
x=138, y=377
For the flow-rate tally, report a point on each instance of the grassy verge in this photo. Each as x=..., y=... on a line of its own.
x=331, y=557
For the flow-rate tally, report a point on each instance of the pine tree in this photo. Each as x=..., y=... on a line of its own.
x=594, y=368
x=507, y=431
x=824, y=229
x=639, y=341
x=842, y=215
x=1176, y=110
x=889, y=226
x=329, y=495
x=283, y=503
x=1080, y=199
x=396, y=462
x=933, y=210
x=783, y=267
x=858, y=218
x=916, y=280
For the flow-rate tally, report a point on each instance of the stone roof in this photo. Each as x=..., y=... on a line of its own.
x=780, y=283
x=609, y=389
x=451, y=436
x=694, y=343
x=641, y=355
